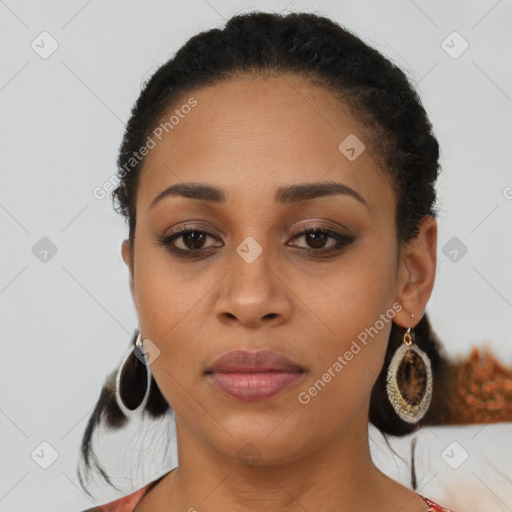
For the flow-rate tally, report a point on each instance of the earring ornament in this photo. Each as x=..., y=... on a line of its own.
x=133, y=380
x=409, y=382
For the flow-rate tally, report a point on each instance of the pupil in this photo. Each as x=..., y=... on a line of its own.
x=192, y=235
x=318, y=239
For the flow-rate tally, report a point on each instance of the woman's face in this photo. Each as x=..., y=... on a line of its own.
x=250, y=280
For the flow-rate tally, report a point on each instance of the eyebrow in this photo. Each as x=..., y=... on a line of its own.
x=284, y=195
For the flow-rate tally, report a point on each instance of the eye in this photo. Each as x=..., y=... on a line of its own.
x=317, y=237
x=193, y=240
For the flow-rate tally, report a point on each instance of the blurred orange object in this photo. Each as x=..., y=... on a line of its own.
x=483, y=389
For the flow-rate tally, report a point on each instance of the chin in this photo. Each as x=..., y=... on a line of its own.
x=262, y=447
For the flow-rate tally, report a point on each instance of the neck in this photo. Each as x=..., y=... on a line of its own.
x=338, y=472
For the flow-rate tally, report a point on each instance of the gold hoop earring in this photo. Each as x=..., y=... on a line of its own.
x=409, y=380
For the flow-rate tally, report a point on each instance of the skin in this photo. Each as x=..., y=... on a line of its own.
x=314, y=456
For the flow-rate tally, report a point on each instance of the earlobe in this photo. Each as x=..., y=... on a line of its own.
x=126, y=252
x=417, y=272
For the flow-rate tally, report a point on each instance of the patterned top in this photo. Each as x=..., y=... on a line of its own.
x=128, y=503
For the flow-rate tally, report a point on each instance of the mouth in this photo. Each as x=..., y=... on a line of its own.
x=250, y=376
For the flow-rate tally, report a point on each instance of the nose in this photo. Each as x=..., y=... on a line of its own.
x=254, y=295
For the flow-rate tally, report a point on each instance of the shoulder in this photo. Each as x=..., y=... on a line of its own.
x=124, y=504
x=434, y=507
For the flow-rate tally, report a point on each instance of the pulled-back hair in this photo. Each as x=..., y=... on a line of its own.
x=380, y=96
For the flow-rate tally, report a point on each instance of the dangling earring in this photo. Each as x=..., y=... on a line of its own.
x=133, y=380
x=409, y=380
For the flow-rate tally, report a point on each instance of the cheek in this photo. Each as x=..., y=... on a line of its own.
x=353, y=309
x=342, y=381
x=351, y=296
x=163, y=292
x=166, y=305
x=168, y=317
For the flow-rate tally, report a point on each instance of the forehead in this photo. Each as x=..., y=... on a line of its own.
x=253, y=135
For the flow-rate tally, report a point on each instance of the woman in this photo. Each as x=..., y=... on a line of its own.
x=278, y=178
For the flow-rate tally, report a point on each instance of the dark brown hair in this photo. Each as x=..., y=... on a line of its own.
x=379, y=94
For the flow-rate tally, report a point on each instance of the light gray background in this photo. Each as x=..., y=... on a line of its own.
x=66, y=322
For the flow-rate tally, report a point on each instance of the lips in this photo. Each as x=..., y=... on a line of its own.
x=261, y=361
x=247, y=375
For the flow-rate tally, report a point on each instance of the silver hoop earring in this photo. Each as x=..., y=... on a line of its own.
x=133, y=380
x=409, y=380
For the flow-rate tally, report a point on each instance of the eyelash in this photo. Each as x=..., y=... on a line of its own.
x=341, y=239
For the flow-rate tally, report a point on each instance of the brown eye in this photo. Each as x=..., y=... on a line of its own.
x=192, y=240
x=317, y=238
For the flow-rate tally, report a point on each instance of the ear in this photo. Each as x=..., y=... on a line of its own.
x=127, y=254
x=416, y=273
